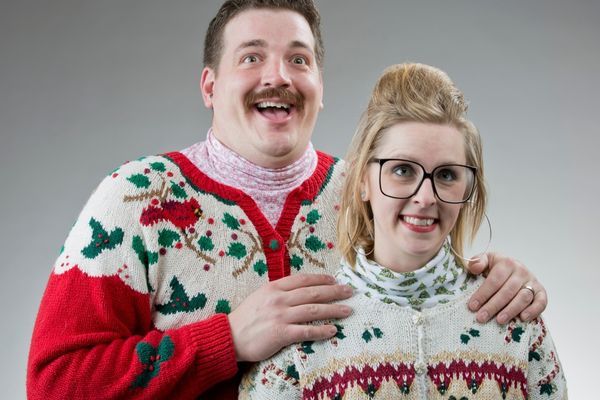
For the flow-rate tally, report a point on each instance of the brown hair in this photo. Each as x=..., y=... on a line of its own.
x=213, y=41
x=407, y=92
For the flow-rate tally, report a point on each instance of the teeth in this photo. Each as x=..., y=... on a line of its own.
x=265, y=104
x=418, y=221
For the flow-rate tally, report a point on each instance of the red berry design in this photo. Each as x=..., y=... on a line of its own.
x=211, y=221
x=169, y=174
x=206, y=267
x=330, y=245
x=209, y=233
x=242, y=221
x=221, y=253
x=234, y=236
x=178, y=245
x=162, y=251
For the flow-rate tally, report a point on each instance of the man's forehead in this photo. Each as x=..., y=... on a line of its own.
x=257, y=28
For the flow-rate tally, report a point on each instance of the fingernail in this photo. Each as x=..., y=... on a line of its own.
x=474, y=305
x=483, y=316
x=346, y=310
x=526, y=317
x=503, y=318
x=348, y=290
x=332, y=330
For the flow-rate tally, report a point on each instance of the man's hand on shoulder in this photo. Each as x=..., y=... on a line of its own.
x=509, y=290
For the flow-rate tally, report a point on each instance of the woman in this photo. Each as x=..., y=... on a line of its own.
x=414, y=195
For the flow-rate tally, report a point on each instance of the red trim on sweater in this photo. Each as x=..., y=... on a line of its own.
x=277, y=260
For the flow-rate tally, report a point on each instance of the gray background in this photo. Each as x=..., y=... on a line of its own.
x=88, y=84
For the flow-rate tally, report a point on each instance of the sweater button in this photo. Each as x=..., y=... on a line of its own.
x=274, y=244
x=417, y=319
x=420, y=368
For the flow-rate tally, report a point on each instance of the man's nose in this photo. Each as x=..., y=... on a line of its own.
x=276, y=74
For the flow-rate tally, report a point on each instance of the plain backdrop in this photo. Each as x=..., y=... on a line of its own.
x=88, y=84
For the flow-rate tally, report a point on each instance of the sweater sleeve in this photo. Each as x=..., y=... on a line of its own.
x=273, y=379
x=94, y=336
x=545, y=376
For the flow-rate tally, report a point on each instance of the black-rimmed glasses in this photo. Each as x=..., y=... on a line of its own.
x=401, y=179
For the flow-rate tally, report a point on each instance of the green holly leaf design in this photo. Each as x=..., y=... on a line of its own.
x=314, y=244
x=546, y=388
x=292, y=372
x=237, y=250
x=409, y=282
x=152, y=257
x=231, y=221
x=474, y=332
x=378, y=333
x=339, y=334
x=307, y=347
x=137, y=244
x=367, y=336
x=440, y=280
x=140, y=181
x=424, y=295
x=166, y=348
x=222, y=307
x=464, y=338
x=260, y=267
x=516, y=334
x=166, y=237
x=533, y=355
x=180, y=301
x=312, y=217
x=151, y=358
x=296, y=262
x=158, y=166
x=144, y=352
x=386, y=273
x=205, y=243
x=442, y=290
x=178, y=191
x=102, y=240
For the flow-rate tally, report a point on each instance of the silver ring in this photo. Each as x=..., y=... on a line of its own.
x=530, y=288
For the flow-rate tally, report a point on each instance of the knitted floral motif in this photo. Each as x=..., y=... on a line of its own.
x=151, y=358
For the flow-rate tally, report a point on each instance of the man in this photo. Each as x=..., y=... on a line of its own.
x=178, y=266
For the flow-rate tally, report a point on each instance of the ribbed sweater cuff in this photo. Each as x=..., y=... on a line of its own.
x=215, y=354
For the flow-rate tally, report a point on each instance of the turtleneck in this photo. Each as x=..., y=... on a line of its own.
x=268, y=187
x=437, y=282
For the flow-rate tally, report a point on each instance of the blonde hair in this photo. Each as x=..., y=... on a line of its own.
x=407, y=92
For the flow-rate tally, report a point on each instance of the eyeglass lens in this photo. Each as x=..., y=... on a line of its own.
x=402, y=179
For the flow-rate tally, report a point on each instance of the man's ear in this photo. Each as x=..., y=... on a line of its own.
x=207, y=84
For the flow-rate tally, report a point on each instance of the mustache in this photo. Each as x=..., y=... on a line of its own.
x=283, y=94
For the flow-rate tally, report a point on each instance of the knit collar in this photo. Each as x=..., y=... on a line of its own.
x=226, y=166
x=438, y=282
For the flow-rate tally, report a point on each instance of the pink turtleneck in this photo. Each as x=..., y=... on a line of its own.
x=269, y=188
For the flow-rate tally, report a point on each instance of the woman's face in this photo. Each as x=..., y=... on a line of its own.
x=410, y=232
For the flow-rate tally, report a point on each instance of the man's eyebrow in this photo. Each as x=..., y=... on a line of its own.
x=298, y=43
x=263, y=43
x=252, y=43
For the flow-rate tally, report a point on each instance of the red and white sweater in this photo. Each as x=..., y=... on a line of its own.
x=137, y=303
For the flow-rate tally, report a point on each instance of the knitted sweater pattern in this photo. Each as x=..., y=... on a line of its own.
x=138, y=299
x=384, y=351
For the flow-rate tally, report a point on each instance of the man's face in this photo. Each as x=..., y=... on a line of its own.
x=267, y=91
